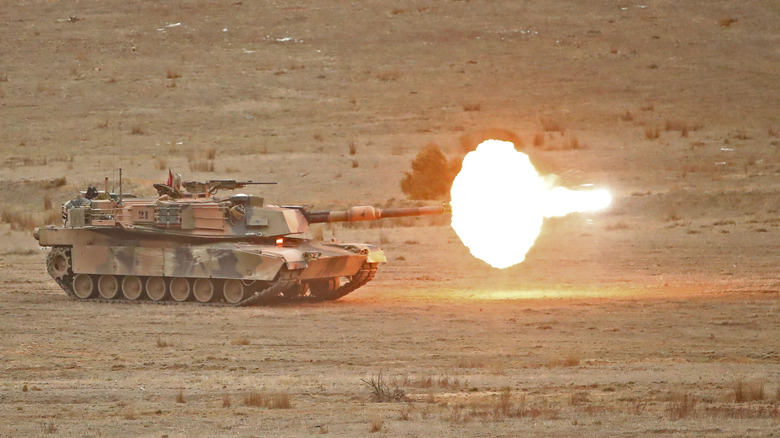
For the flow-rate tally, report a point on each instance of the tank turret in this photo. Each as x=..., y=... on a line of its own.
x=189, y=245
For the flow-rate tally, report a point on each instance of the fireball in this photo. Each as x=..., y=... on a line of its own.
x=499, y=203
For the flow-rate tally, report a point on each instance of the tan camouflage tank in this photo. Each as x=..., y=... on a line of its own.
x=187, y=245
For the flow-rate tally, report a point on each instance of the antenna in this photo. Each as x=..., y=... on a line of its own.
x=120, y=186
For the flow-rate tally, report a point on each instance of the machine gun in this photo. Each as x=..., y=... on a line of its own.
x=212, y=186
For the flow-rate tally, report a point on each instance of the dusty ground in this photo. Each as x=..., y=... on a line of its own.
x=643, y=320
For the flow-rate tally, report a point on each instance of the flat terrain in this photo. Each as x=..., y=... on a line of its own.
x=656, y=317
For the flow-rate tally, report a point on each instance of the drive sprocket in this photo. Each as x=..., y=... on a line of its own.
x=58, y=263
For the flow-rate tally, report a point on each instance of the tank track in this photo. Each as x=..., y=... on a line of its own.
x=285, y=280
x=366, y=273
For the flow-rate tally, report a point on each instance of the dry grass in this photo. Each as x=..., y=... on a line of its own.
x=550, y=124
x=380, y=391
x=202, y=160
x=55, y=183
x=52, y=217
x=172, y=74
x=743, y=411
x=47, y=203
x=727, y=21
x=23, y=220
x=243, y=340
x=180, y=396
x=430, y=381
x=49, y=427
x=500, y=407
x=137, y=130
x=617, y=226
x=568, y=361
x=160, y=164
x=375, y=424
x=472, y=107
x=226, y=400
x=162, y=343
x=652, y=132
x=352, y=148
x=129, y=413
x=681, y=406
x=388, y=76
x=269, y=401
x=539, y=139
x=572, y=143
x=673, y=217
x=384, y=239
x=579, y=398
x=748, y=391
x=681, y=126
x=201, y=165
x=355, y=164
x=627, y=116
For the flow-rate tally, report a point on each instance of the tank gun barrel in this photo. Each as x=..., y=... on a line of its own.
x=368, y=213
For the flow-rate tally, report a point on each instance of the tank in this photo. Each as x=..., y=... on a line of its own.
x=190, y=245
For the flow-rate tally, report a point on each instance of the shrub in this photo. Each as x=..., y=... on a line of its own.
x=431, y=175
x=381, y=392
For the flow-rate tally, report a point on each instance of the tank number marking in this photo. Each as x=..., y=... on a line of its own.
x=144, y=214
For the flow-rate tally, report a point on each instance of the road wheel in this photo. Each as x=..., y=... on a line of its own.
x=156, y=289
x=323, y=289
x=132, y=287
x=83, y=286
x=108, y=286
x=234, y=291
x=180, y=289
x=204, y=290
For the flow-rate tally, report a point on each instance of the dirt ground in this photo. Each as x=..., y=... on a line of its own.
x=656, y=317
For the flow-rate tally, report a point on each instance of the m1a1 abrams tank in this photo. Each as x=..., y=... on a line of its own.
x=187, y=245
